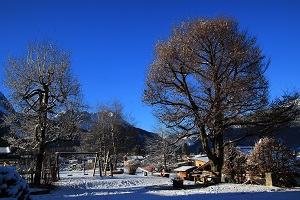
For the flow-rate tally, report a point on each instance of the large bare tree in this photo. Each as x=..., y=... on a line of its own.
x=209, y=76
x=47, y=95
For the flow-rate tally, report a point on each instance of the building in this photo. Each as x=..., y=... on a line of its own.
x=184, y=172
x=200, y=160
x=7, y=156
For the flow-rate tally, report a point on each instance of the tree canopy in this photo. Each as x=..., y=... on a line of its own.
x=46, y=93
x=208, y=76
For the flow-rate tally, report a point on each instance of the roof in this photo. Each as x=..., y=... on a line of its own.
x=135, y=157
x=4, y=150
x=203, y=158
x=202, y=167
x=184, y=168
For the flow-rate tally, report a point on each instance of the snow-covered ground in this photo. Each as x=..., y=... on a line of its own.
x=139, y=187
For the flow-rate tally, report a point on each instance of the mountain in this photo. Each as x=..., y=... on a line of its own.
x=131, y=135
x=5, y=109
x=128, y=135
x=142, y=136
x=288, y=136
x=5, y=106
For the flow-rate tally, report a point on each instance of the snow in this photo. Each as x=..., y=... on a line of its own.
x=137, y=187
x=12, y=184
x=201, y=157
x=5, y=150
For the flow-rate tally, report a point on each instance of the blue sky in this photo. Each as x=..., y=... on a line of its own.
x=112, y=41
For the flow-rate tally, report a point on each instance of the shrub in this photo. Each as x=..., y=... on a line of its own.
x=132, y=169
x=12, y=185
x=270, y=156
x=132, y=166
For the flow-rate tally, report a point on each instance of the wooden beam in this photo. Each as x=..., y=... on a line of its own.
x=60, y=153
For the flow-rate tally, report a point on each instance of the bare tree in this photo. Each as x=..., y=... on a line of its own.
x=43, y=88
x=235, y=164
x=111, y=130
x=160, y=152
x=208, y=77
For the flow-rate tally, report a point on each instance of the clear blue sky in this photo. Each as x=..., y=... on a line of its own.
x=112, y=41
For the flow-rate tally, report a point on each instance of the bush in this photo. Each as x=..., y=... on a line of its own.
x=132, y=166
x=270, y=156
x=132, y=169
x=12, y=185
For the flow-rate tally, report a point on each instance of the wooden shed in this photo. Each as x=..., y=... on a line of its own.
x=185, y=171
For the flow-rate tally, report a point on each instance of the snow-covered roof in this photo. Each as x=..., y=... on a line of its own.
x=184, y=168
x=135, y=157
x=200, y=157
x=5, y=150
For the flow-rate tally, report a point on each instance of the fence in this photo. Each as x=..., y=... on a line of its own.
x=48, y=176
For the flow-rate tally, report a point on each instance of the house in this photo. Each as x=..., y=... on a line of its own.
x=200, y=160
x=5, y=150
x=7, y=156
x=185, y=163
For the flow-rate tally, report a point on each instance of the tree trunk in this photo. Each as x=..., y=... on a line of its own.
x=214, y=151
x=39, y=162
x=216, y=165
x=41, y=137
x=219, y=154
x=165, y=161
